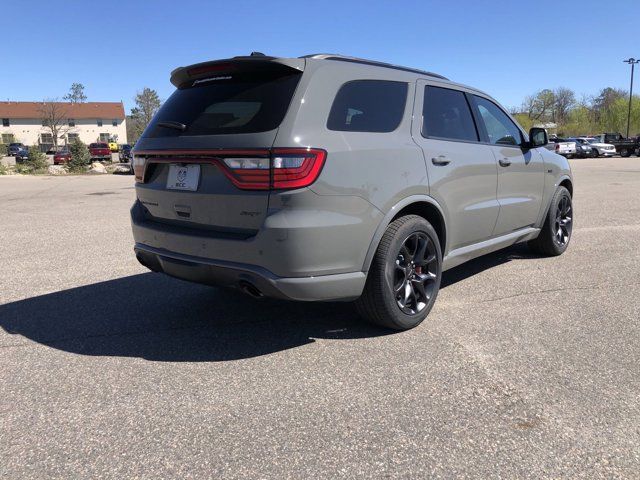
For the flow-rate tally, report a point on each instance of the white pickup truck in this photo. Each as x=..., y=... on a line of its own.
x=562, y=147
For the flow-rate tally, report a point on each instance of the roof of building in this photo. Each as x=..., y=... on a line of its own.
x=107, y=110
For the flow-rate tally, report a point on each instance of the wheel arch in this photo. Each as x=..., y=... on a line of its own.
x=421, y=205
x=566, y=183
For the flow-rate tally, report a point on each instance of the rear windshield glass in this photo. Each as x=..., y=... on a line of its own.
x=244, y=102
x=368, y=106
x=98, y=145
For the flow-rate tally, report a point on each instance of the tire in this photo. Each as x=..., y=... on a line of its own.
x=595, y=153
x=625, y=153
x=406, y=269
x=555, y=235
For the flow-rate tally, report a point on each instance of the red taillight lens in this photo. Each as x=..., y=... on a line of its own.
x=248, y=173
x=296, y=167
x=279, y=169
x=287, y=168
x=557, y=147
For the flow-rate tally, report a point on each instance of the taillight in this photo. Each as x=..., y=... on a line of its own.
x=278, y=169
x=557, y=147
x=287, y=168
x=138, y=167
x=248, y=173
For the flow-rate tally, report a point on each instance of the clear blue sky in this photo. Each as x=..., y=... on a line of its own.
x=118, y=47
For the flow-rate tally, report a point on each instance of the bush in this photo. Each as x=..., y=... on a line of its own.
x=36, y=160
x=3, y=150
x=3, y=169
x=79, y=157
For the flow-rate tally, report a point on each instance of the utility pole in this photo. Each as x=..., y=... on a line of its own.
x=632, y=62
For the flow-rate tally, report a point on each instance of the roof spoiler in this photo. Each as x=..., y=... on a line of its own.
x=254, y=62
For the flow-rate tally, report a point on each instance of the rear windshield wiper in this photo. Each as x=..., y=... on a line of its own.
x=177, y=125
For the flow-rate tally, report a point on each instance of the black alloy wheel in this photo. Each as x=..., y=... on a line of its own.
x=563, y=221
x=415, y=273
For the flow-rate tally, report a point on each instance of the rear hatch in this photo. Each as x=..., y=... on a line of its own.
x=203, y=162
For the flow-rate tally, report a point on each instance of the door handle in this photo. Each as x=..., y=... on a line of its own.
x=504, y=162
x=441, y=160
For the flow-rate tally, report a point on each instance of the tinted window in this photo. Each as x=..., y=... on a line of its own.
x=368, y=106
x=446, y=114
x=243, y=102
x=500, y=129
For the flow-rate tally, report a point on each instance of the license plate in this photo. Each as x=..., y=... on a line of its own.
x=183, y=177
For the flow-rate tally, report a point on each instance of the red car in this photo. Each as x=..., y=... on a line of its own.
x=99, y=151
x=63, y=156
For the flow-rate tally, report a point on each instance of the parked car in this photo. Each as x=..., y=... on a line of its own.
x=583, y=148
x=601, y=149
x=624, y=146
x=562, y=147
x=17, y=149
x=305, y=179
x=99, y=151
x=125, y=153
x=62, y=156
x=113, y=146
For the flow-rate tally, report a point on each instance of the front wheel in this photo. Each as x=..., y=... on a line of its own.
x=556, y=232
x=405, y=275
x=625, y=153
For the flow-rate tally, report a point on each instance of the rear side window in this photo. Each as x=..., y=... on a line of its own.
x=243, y=102
x=446, y=115
x=500, y=129
x=368, y=106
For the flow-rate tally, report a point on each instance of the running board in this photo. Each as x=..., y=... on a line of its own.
x=462, y=254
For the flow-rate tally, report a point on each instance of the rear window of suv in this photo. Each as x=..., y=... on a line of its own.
x=243, y=102
x=368, y=106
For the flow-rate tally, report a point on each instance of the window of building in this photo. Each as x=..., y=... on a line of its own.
x=104, y=137
x=368, y=106
x=72, y=137
x=46, y=138
x=8, y=138
x=500, y=129
x=72, y=122
x=446, y=114
x=114, y=123
x=99, y=122
x=5, y=122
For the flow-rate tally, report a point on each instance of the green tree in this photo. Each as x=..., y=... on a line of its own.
x=524, y=120
x=36, y=160
x=147, y=104
x=76, y=94
x=80, y=157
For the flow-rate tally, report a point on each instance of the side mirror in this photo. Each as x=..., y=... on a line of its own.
x=538, y=137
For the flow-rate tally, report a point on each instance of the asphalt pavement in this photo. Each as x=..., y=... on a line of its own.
x=527, y=367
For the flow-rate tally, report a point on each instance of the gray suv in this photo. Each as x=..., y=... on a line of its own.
x=335, y=178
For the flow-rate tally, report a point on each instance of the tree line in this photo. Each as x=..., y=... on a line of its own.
x=589, y=115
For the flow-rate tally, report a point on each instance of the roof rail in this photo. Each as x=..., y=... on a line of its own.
x=344, y=58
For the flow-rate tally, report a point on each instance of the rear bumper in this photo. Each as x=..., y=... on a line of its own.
x=342, y=286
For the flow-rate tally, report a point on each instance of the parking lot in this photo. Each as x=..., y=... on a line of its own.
x=527, y=367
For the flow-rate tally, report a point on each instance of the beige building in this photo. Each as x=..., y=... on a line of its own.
x=89, y=122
